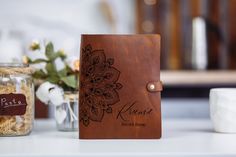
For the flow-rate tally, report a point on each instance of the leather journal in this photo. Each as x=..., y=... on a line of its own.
x=120, y=87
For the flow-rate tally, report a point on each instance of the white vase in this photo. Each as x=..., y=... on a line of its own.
x=223, y=109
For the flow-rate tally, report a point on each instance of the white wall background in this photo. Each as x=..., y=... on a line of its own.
x=60, y=21
x=63, y=21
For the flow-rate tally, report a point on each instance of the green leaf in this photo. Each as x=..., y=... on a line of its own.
x=38, y=61
x=52, y=55
x=53, y=79
x=39, y=74
x=49, y=51
x=52, y=73
x=70, y=81
x=56, y=55
x=51, y=69
x=63, y=72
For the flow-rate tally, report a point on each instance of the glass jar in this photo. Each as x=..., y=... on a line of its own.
x=70, y=108
x=16, y=99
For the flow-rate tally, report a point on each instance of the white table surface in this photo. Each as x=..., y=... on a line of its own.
x=180, y=138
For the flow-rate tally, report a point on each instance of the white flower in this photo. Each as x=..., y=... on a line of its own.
x=43, y=92
x=35, y=45
x=56, y=95
x=60, y=115
x=48, y=92
x=73, y=63
x=25, y=60
x=59, y=64
x=37, y=54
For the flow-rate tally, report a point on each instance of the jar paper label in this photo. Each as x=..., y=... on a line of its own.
x=12, y=104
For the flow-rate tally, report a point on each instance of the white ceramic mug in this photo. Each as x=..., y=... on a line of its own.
x=223, y=109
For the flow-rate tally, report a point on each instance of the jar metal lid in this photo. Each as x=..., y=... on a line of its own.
x=13, y=65
x=15, y=68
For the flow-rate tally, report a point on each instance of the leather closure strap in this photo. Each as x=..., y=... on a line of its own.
x=154, y=86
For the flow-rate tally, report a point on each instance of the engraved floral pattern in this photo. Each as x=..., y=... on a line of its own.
x=99, y=85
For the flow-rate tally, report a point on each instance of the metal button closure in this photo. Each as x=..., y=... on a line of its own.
x=154, y=86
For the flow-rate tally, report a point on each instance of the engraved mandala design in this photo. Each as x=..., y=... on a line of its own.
x=99, y=86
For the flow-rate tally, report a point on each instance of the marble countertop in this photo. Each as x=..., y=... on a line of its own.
x=181, y=137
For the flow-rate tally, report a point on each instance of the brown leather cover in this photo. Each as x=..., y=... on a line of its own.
x=120, y=87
